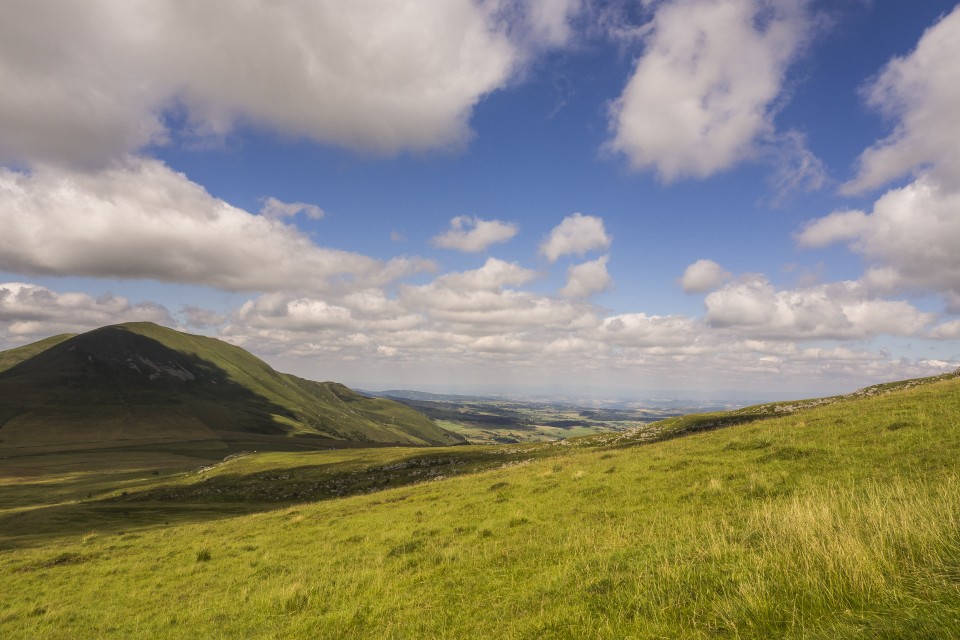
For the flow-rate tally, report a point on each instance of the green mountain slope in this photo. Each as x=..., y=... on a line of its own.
x=12, y=357
x=834, y=519
x=142, y=383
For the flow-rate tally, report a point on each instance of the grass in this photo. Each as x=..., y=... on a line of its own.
x=532, y=433
x=15, y=356
x=840, y=520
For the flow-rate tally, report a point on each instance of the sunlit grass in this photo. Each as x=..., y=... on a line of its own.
x=841, y=521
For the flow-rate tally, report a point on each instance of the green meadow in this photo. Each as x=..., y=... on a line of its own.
x=833, y=519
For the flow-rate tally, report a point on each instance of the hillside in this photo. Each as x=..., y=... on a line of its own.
x=15, y=356
x=814, y=519
x=139, y=383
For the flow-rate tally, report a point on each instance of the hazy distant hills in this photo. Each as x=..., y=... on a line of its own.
x=143, y=383
x=407, y=394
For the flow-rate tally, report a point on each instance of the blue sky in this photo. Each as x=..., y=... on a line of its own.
x=572, y=196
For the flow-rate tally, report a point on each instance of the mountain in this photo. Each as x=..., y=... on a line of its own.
x=18, y=355
x=140, y=383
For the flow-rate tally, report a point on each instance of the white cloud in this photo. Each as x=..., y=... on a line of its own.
x=587, y=278
x=30, y=312
x=478, y=302
x=839, y=226
x=142, y=220
x=576, y=235
x=946, y=331
x=86, y=90
x=96, y=80
x=704, y=91
x=336, y=320
x=492, y=276
x=640, y=330
x=473, y=234
x=910, y=238
x=502, y=344
x=273, y=208
x=483, y=320
x=549, y=20
x=838, y=311
x=702, y=276
x=298, y=314
x=488, y=312
x=921, y=91
x=201, y=318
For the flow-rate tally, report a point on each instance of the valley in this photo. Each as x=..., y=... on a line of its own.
x=830, y=517
x=496, y=420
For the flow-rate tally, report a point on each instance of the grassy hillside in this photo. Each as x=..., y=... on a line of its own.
x=12, y=357
x=140, y=383
x=835, y=519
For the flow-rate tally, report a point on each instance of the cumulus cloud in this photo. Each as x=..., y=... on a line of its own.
x=839, y=311
x=100, y=79
x=273, y=208
x=702, y=276
x=473, y=234
x=910, y=238
x=143, y=220
x=490, y=312
x=946, y=331
x=484, y=317
x=86, y=91
x=920, y=91
x=492, y=276
x=468, y=314
x=587, y=278
x=671, y=348
x=484, y=302
x=300, y=314
x=640, y=330
x=704, y=90
x=29, y=312
x=837, y=227
x=576, y=235
x=447, y=315
x=342, y=320
x=752, y=332
x=200, y=318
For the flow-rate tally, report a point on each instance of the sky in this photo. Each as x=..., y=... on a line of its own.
x=575, y=197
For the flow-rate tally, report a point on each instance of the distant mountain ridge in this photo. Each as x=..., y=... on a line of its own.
x=408, y=394
x=140, y=382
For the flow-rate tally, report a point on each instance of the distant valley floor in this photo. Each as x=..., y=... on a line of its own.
x=491, y=420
